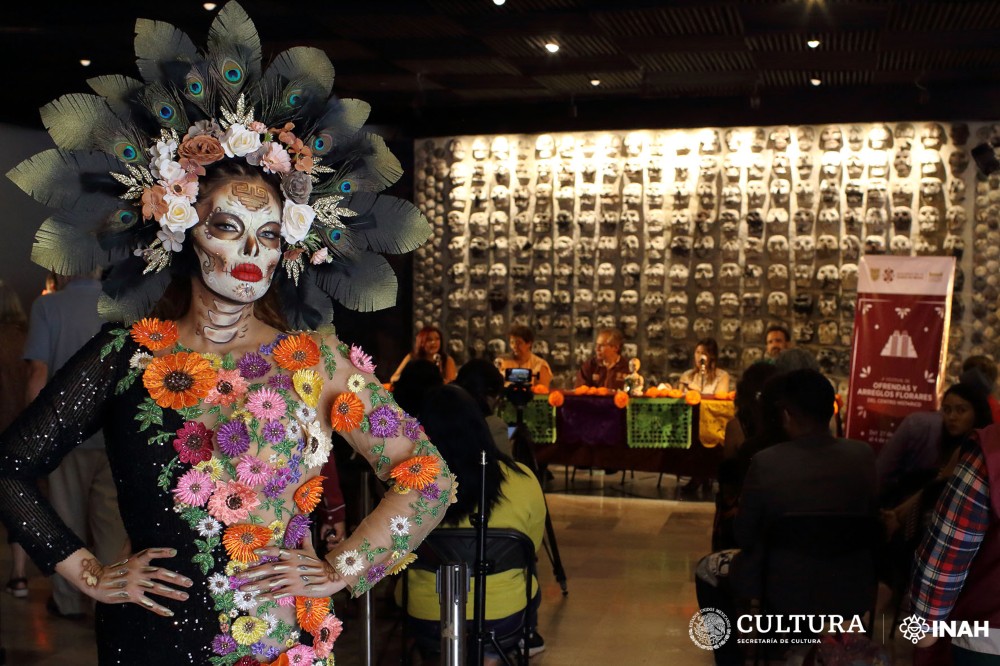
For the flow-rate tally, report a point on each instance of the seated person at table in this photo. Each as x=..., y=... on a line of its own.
x=521, y=356
x=607, y=368
x=705, y=376
x=514, y=501
x=776, y=340
x=429, y=347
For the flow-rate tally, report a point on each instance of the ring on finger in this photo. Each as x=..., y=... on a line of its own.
x=305, y=579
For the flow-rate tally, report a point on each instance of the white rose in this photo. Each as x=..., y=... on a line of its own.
x=296, y=219
x=168, y=170
x=180, y=214
x=238, y=141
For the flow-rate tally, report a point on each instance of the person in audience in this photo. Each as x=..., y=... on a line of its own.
x=956, y=576
x=429, y=347
x=484, y=383
x=705, y=377
x=776, y=340
x=416, y=380
x=795, y=358
x=607, y=368
x=983, y=370
x=13, y=392
x=453, y=421
x=521, y=356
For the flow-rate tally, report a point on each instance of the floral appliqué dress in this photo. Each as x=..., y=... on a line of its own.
x=218, y=456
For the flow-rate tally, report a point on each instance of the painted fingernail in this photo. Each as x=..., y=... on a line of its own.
x=145, y=583
x=281, y=567
x=168, y=613
x=170, y=574
x=184, y=596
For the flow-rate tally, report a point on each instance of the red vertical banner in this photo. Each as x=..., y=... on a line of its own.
x=900, y=342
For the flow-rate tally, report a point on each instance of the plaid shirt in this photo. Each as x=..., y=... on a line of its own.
x=960, y=520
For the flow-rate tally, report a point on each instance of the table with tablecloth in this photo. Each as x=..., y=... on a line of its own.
x=666, y=435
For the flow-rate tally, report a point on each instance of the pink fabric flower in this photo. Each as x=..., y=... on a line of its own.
x=194, y=487
x=266, y=404
x=193, y=443
x=326, y=636
x=232, y=502
x=276, y=159
x=229, y=387
x=257, y=126
x=319, y=256
x=253, y=471
x=361, y=360
x=301, y=655
x=284, y=602
x=185, y=187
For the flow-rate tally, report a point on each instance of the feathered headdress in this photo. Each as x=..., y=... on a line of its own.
x=125, y=171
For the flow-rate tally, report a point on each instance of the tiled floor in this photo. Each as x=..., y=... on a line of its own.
x=628, y=550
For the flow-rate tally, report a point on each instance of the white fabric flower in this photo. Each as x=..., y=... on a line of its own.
x=318, y=445
x=180, y=215
x=218, y=584
x=293, y=431
x=296, y=219
x=272, y=621
x=356, y=383
x=349, y=563
x=245, y=600
x=169, y=170
x=140, y=360
x=305, y=414
x=399, y=525
x=209, y=527
x=160, y=153
x=172, y=240
x=238, y=141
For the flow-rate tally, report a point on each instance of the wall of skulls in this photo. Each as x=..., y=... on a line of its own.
x=675, y=235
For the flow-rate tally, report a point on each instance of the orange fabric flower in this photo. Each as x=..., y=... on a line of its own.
x=674, y=393
x=652, y=392
x=241, y=540
x=621, y=399
x=581, y=390
x=540, y=389
x=556, y=399
x=154, y=334
x=417, y=473
x=308, y=495
x=692, y=397
x=347, y=412
x=178, y=380
x=721, y=395
x=311, y=611
x=296, y=352
x=282, y=660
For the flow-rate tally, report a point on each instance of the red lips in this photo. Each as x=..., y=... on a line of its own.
x=247, y=273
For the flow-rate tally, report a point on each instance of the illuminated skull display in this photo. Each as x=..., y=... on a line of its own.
x=630, y=274
x=804, y=193
x=804, y=165
x=607, y=247
x=584, y=326
x=545, y=147
x=543, y=273
x=629, y=300
x=902, y=220
x=653, y=303
x=732, y=197
x=777, y=248
x=831, y=138
x=680, y=195
x=827, y=245
x=777, y=276
x=855, y=137
x=780, y=190
x=929, y=220
x=584, y=300
x=706, y=195
x=456, y=299
x=585, y=274
x=731, y=169
x=456, y=247
x=752, y=329
x=880, y=137
x=752, y=303
x=704, y=220
x=654, y=194
x=804, y=248
x=678, y=275
x=828, y=277
x=729, y=276
x=829, y=191
x=752, y=275
x=704, y=327
x=803, y=331
x=875, y=245
x=958, y=161
x=708, y=142
x=708, y=168
x=703, y=275
x=804, y=220
x=878, y=164
x=632, y=194
x=678, y=327
x=753, y=248
x=730, y=249
x=828, y=333
x=956, y=191
x=655, y=274
x=480, y=149
x=955, y=218
x=704, y=303
x=680, y=246
x=829, y=219
x=756, y=193
x=729, y=328
x=777, y=304
x=827, y=305
x=457, y=272
x=849, y=276
x=805, y=136
x=606, y=300
x=930, y=190
x=900, y=245
x=802, y=275
x=729, y=304
x=730, y=223
x=954, y=246
x=757, y=168
x=677, y=303
x=830, y=165
x=932, y=136
x=854, y=192
x=758, y=140
x=629, y=325
x=876, y=220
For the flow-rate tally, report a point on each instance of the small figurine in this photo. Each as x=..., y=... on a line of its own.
x=634, y=381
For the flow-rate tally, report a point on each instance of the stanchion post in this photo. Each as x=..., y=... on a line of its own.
x=453, y=590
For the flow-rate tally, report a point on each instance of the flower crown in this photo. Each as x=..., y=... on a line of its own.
x=192, y=109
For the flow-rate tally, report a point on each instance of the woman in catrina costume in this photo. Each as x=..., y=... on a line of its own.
x=229, y=205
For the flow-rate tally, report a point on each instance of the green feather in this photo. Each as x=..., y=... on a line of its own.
x=166, y=107
x=68, y=249
x=234, y=52
x=388, y=224
x=85, y=122
x=117, y=91
x=61, y=179
x=364, y=282
x=157, y=46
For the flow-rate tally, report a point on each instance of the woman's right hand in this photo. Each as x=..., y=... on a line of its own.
x=132, y=579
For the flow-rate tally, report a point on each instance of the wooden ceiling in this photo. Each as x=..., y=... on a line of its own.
x=462, y=66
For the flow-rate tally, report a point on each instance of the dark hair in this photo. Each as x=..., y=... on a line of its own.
x=796, y=358
x=749, y=395
x=710, y=346
x=455, y=425
x=780, y=329
x=522, y=332
x=417, y=379
x=975, y=396
x=983, y=364
x=808, y=395
x=482, y=381
x=418, y=345
x=176, y=299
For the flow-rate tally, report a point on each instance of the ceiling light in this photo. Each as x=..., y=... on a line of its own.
x=85, y=62
x=815, y=81
x=812, y=43
x=551, y=47
x=595, y=82
x=499, y=3
x=209, y=6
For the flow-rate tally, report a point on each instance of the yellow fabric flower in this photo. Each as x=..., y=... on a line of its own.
x=309, y=385
x=401, y=564
x=248, y=629
x=234, y=567
x=243, y=415
x=277, y=528
x=212, y=467
x=214, y=360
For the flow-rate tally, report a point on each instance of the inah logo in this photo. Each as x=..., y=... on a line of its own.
x=709, y=628
x=914, y=628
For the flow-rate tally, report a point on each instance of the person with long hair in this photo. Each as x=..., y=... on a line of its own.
x=429, y=346
x=706, y=376
x=218, y=410
x=483, y=381
x=514, y=500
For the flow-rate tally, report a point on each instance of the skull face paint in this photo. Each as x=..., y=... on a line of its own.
x=239, y=243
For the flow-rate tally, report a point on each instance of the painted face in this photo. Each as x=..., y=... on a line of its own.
x=959, y=415
x=519, y=347
x=239, y=241
x=775, y=343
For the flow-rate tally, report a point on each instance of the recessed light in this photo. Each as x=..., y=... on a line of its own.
x=812, y=43
x=815, y=81
x=499, y=3
x=551, y=47
x=210, y=6
x=85, y=62
x=595, y=82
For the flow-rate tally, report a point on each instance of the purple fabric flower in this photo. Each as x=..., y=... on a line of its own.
x=294, y=468
x=273, y=431
x=275, y=485
x=296, y=531
x=223, y=644
x=258, y=648
x=376, y=573
x=280, y=382
x=253, y=366
x=267, y=559
x=384, y=422
x=234, y=439
x=269, y=348
x=236, y=582
x=411, y=429
x=431, y=492
x=272, y=653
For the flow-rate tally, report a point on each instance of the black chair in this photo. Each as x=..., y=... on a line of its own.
x=506, y=549
x=820, y=563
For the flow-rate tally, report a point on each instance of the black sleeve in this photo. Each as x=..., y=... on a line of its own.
x=69, y=409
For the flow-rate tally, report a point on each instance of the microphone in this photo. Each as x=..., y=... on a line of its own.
x=702, y=363
x=437, y=358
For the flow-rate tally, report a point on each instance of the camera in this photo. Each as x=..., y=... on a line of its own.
x=518, y=376
x=518, y=390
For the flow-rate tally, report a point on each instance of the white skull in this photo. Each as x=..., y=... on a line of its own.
x=752, y=275
x=849, y=276
x=703, y=275
x=780, y=138
x=956, y=191
x=607, y=247
x=828, y=305
x=759, y=140
x=543, y=273
x=955, y=217
x=932, y=135
x=708, y=141
x=930, y=189
x=678, y=327
x=804, y=193
x=677, y=303
x=777, y=276
x=729, y=276
x=928, y=219
x=635, y=143
x=875, y=245
x=704, y=303
x=456, y=299
x=757, y=168
x=830, y=165
x=629, y=300
x=732, y=197
x=831, y=138
x=729, y=328
x=457, y=149
x=804, y=165
x=829, y=218
x=704, y=246
x=900, y=245
x=828, y=276
x=632, y=194
x=654, y=275
x=654, y=194
x=730, y=249
x=829, y=190
x=605, y=299
x=680, y=195
x=875, y=220
x=756, y=193
x=584, y=351
x=828, y=333
x=753, y=330
x=457, y=272
x=480, y=149
x=704, y=327
x=584, y=299
x=804, y=220
x=902, y=193
x=731, y=168
x=803, y=275
x=954, y=245
x=708, y=168
x=878, y=164
x=777, y=248
x=655, y=247
x=827, y=244
x=456, y=247
x=855, y=137
x=877, y=192
x=753, y=247
x=777, y=303
x=630, y=273
x=879, y=137
x=606, y=273
x=678, y=275
x=706, y=195
x=804, y=247
x=780, y=189
x=545, y=146
x=805, y=137
x=850, y=248
x=653, y=302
